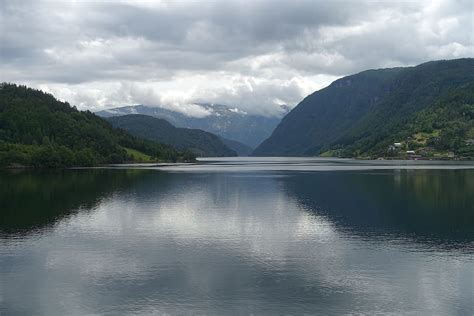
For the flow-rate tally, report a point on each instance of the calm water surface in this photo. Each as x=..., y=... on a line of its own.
x=239, y=236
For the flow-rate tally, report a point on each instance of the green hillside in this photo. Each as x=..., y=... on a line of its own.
x=199, y=142
x=38, y=130
x=322, y=117
x=441, y=130
x=364, y=114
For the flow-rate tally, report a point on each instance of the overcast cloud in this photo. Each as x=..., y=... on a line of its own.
x=250, y=54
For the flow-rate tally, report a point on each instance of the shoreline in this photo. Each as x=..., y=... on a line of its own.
x=203, y=160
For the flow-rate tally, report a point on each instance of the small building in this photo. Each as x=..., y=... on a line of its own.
x=450, y=154
x=397, y=145
x=410, y=152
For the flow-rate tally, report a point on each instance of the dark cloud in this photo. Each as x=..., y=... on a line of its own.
x=253, y=53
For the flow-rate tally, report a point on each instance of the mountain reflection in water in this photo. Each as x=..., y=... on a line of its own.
x=153, y=241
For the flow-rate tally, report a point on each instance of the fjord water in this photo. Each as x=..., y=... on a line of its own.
x=225, y=236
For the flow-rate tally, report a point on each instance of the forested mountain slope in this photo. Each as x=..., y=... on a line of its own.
x=199, y=142
x=38, y=130
x=362, y=114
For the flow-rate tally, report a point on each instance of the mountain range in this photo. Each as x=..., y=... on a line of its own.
x=427, y=109
x=224, y=121
x=405, y=112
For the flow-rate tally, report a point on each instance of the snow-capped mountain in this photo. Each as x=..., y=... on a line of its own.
x=225, y=121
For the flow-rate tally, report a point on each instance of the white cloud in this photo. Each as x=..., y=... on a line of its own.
x=251, y=55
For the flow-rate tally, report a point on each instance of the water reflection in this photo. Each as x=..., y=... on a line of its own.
x=424, y=204
x=213, y=243
x=32, y=199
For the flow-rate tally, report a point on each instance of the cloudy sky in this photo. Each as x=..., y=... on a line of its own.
x=250, y=54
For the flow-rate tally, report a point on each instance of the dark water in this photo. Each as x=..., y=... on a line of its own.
x=239, y=237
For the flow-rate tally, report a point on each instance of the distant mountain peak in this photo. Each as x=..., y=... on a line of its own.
x=229, y=122
x=221, y=109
